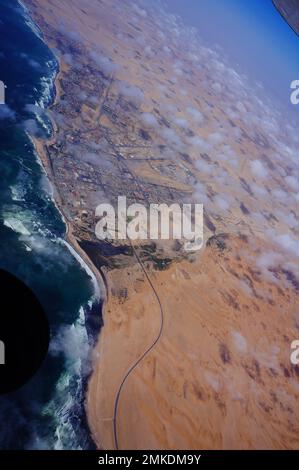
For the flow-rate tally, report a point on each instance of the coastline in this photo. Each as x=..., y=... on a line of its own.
x=41, y=151
x=40, y=146
x=49, y=412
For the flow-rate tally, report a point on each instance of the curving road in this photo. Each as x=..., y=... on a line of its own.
x=117, y=398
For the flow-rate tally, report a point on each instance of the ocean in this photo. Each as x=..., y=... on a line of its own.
x=48, y=412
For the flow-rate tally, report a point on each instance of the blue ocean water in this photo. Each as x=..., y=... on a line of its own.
x=48, y=412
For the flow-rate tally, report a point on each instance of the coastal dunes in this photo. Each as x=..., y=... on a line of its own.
x=219, y=377
x=195, y=348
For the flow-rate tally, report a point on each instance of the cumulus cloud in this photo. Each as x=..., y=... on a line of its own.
x=258, y=169
x=267, y=262
x=132, y=92
x=68, y=59
x=96, y=146
x=171, y=137
x=239, y=341
x=215, y=138
x=222, y=202
x=148, y=51
x=281, y=195
x=245, y=287
x=204, y=167
x=199, y=144
x=170, y=108
x=91, y=157
x=73, y=35
x=178, y=71
x=95, y=159
x=288, y=243
x=228, y=155
x=216, y=87
x=139, y=11
x=184, y=92
x=292, y=182
x=72, y=342
x=180, y=122
x=241, y=107
x=149, y=120
x=288, y=218
x=222, y=177
x=259, y=190
x=196, y=115
x=199, y=194
x=104, y=63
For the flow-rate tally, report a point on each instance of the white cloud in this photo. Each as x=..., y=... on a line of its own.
x=258, y=169
x=73, y=35
x=104, y=63
x=171, y=137
x=181, y=122
x=68, y=59
x=199, y=144
x=268, y=261
x=288, y=243
x=258, y=190
x=199, y=194
x=292, y=182
x=149, y=120
x=216, y=87
x=215, y=138
x=239, y=341
x=222, y=202
x=131, y=91
x=196, y=115
x=140, y=11
x=204, y=167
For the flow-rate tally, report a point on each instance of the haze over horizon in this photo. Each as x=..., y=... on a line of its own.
x=253, y=35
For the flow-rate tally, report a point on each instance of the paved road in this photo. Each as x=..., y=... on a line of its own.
x=133, y=367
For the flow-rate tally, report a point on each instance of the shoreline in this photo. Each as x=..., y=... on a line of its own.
x=40, y=147
x=102, y=284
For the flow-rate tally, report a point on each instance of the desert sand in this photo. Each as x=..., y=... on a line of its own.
x=219, y=377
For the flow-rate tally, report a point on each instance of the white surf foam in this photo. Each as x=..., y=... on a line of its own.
x=86, y=268
x=16, y=225
x=28, y=20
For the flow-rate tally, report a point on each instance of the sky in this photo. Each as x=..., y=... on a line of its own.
x=252, y=33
